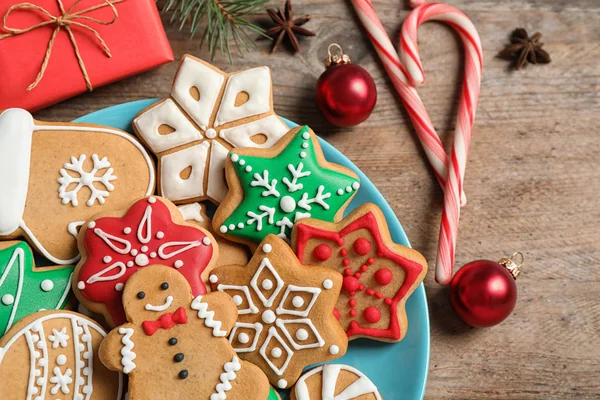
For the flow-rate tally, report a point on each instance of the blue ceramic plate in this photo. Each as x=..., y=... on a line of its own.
x=399, y=370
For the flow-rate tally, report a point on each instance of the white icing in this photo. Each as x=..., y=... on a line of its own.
x=47, y=285
x=267, y=301
x=181, y=248
x=167, y=113
x=334, y=349
x=119, y=287
x=194, y=73
x=330, y=374
x=253, y=82
x=208, y=317
x=178, y=264
x=162, y=307
x=267, y=248
x=61, y=380
x=282, y=383
x=172, y=186
x=327, y=284
x=276, y=352
x=85, y=179
x=210, y=133
x=274, y=335
x=243, y=338
x=226, y=378
x=59, y=338
x=190, y=212
x=255, y=328
x=16, y=260
x=16, y=130
x=217, y=188
x=287, y=204
x=8, y=299
x=268, y=317
x=301, y=334
x=127, y=354
x=61, y=359
x=144, y=231
x=237, y=299
x=213, y=278
x=297, y=301
x=239, y=136
x=73, y=228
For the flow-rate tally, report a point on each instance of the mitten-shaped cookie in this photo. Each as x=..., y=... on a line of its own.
x=286, y=319
x=208, y=113
x=26, y=289
x=379, y=275
x=175, y=346
x=54, y=355
x=54, y=176
x=115, y=245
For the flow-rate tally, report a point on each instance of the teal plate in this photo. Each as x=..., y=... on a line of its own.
x=399, y=370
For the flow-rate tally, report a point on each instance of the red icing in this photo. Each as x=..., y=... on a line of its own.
x=371, y=314
x=383, y=276
x=411, y=269
x=151, y=238
x=336, y=314
x=166, y=321
x=346, y=261
x=322, y=252
x=343, y=252
x=362, y=246
x=352, y=303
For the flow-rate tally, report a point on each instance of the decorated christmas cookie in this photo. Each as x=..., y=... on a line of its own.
x=175, y=346
x=54, y=176
x=273, y=188
x=54, y=355
x=113, y=246
x=26, y=289
x=230, y=253
x=379, y=275
x=207, y=114
x=286, y=319
x=334, y=382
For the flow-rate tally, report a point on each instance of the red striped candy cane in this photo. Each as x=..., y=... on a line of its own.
x=428, y=137
x=466, y=115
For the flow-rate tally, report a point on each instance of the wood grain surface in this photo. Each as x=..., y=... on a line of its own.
x=532, y=181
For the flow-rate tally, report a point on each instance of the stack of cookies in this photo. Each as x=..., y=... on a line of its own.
x=236, y=306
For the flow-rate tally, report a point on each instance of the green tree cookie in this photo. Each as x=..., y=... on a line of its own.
x=26, y=289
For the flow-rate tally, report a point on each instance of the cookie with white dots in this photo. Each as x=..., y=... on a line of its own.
x=285, y=311
x=115, y=245
x=271, y=189
x=379, y=275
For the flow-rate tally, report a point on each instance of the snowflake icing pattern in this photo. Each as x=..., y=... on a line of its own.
x=85, y=179
x=278, y=322
x=61, y=381
x=59, y=338
x=196, y=112
x=281, y=190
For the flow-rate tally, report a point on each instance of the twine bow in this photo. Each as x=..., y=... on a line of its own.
x=66, y=20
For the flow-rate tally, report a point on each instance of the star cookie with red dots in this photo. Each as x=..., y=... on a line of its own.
x=379, y=275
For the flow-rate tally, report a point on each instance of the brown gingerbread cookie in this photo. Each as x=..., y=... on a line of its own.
x=175, y=346
x=54, y=355
x=271, y=189
x=379, y=275
x=285, y=309
x=334, y=382
x=208, y=113
x=55, y=176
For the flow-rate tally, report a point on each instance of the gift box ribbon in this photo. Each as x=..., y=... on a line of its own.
x=66, y=20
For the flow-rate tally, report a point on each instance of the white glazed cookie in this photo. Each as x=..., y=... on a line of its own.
x=207, y=114
x=55, y=176
x=334, y=382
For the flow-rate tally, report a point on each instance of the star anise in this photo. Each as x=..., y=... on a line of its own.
x=285, y=24
x=524, y=49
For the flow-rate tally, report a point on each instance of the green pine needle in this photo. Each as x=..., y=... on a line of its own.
x=223, y=20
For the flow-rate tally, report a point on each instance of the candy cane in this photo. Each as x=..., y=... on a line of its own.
x=434, y=149
x=466, y=115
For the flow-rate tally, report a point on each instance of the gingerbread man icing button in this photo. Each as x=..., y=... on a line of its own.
x=271, y=189
x=151, y=231
x=379, y=275
x=175, y=346
x=286, y=319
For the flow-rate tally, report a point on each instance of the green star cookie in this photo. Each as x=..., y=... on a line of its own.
x=25, y=289
x=270, y=189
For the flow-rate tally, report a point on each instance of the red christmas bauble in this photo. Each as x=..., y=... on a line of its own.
x=483, y=293
x=346, y=93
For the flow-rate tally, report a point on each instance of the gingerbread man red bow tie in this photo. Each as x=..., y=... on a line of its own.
x=166, y=321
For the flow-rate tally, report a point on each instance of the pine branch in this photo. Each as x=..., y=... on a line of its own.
x=224, y=21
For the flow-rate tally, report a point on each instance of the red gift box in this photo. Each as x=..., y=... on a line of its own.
x=136, y=40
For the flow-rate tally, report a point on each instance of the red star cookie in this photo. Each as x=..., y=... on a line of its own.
x=379, y=275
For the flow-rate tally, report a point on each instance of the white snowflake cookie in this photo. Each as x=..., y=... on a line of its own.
x=55, y=176
x=208, y=113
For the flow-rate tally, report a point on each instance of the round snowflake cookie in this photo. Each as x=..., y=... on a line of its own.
x=334, y=381
x=54, y=354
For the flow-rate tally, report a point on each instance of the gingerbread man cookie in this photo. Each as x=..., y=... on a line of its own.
x=334, y=382
x=113, y=246
x=379, y=275
x=25, y=288
x=271, y=189
x=54, y=176
x=175, y=346
x=54, y=355
x=285, y=309
x=208, y=113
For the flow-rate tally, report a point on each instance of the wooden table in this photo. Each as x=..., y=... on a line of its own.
x=533, y=178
